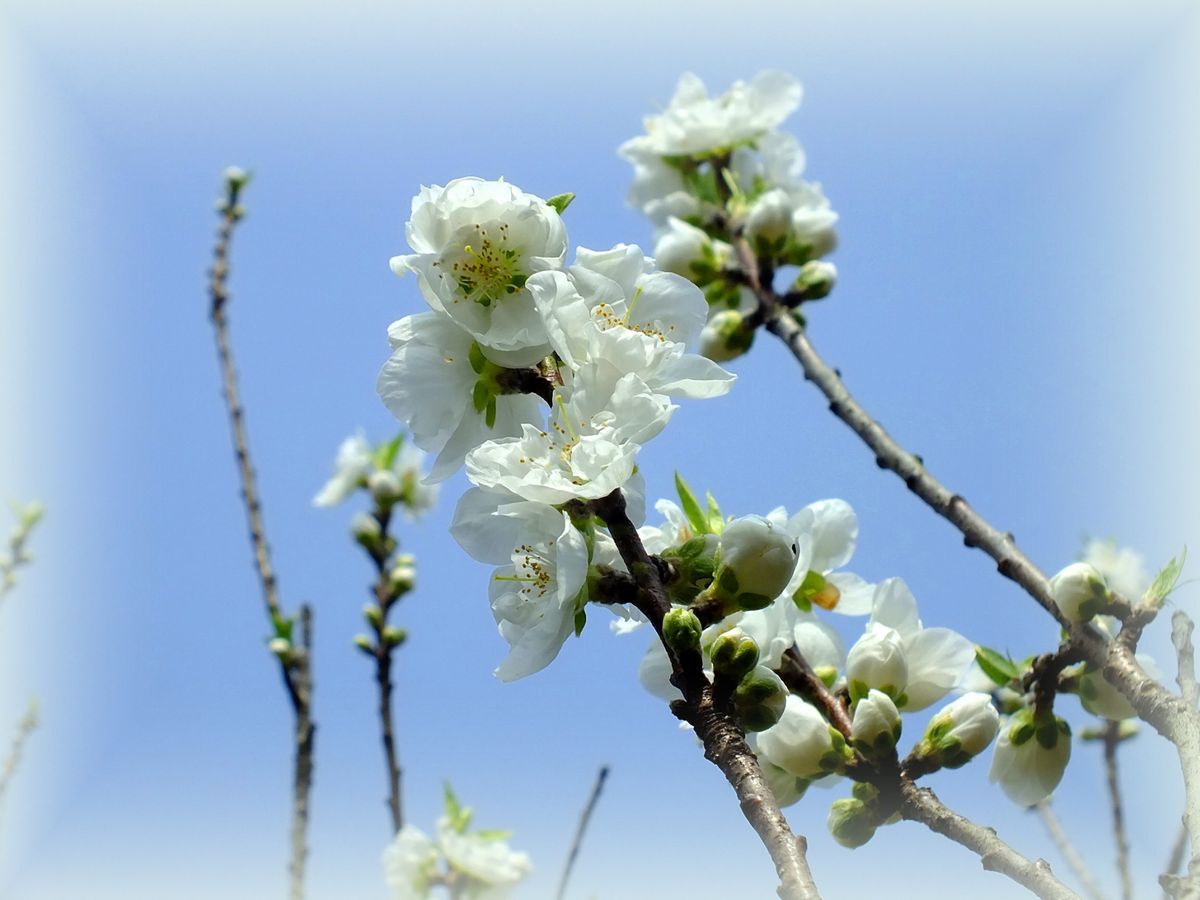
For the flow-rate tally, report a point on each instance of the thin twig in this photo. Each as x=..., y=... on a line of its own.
x=386, y=596
x=1178, y=849
x=25, y=729
x=1112, y=738
x=1067, y=850
x=922, y=805
x=713, y=719
x=295, y=662
x=580, y=831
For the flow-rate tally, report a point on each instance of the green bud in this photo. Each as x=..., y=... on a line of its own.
x=734, y=654
x=393, y=636
x=851, y=823
x=760, y=699
x=363, y=643
x=682, y=630
x=726, y=336
x=815, y=281
x=373, y=614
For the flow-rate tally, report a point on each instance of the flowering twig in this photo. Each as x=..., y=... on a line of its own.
x=17, y=555
x=25, y=728
x=581, y=830
x=1067, y=850
x=295, y=660
x=1112, y=737
x=715, y=723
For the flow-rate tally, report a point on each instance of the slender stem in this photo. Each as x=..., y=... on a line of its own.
x=711, y=716
x=1067, y=850
x=800, y=678
x=1112, y=738
x=295, y=662
x=25, y=729
x=581, y=830
x=385, y=597
x=1178, y=849
x=922, y=805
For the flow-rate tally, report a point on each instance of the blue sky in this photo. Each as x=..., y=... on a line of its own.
x=1013, y=241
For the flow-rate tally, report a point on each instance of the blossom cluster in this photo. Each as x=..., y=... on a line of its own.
x=544, y=379
x=707, y=161
x=471, y=864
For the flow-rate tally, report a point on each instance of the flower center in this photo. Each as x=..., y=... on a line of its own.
x=484, y=266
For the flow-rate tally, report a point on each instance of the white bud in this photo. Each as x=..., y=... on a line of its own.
x=385, y=486
x=682, y=244
x=757, y=560
x=961, y=730
x=801, y=742
x=279, y=646
x=726, y=336
x=1102, y=699
x=876, y=724
x=1030, y=758
x=365, y=528
x=877, y=661
x=786, y=787
x=1080, y=592
x=770, y=217
x=404, y=573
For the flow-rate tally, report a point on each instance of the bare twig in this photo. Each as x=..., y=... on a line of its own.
x=713, y=719
x=25, y=729
x=1112, y=737
x=381, y=651
x=580, y=831
x=295, y=661
x=922, y=805
x=1067, y=850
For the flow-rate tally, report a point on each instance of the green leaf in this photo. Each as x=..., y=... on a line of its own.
x=691, y=506
x=580, y=620
x=716, y=522
x=493, y=834
x=385, y=454
x=1165, y=581
x=996, y=666
x=459, y=815
x=560, y=202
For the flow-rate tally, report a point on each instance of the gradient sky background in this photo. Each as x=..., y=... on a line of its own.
x=1017, y=303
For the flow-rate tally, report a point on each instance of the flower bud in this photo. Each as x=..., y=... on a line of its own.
x=734, y=654
x=683, y=245
x=1080, y=592
x=393, y=636
x=403, y=577
x=960, y=730
x=760, y=699
x=366, y=530
x=769, y=221
x=786, y=787
x=756, y=563
x=726, y=336
x=373, y=614
x=694, y=564
x=363, y=643
x=877, y=661
x=281, y=647
x=815, y=281
x=851, y=823
x=1030, y=757
x=801, y=742
x=385, y=487
x=681, y=630
x=876, y=724
x=1102, y=699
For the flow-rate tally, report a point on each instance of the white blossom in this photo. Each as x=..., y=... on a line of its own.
x=756, y=557
x=877, y=661
x=801, y=742
x=935, y=658
x=429, y=382
x=474, y=244
x=1079, y=592
x=1029, y=760
x=826, y=533
x=695, y=123
x=962, y=729
x=488, y=861
x=409, y=864
x=351, y=468
x=1122, y=568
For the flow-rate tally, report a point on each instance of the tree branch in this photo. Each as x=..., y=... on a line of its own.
x=295, y=662
x=1112, y=738
x=386, y=597
x=922, y=805
x=713, y=719
x=25, y=729
x=1067, y=850
x=580, y=831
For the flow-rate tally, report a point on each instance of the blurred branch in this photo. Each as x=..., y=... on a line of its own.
x=580, y=831
x=1112, y=737
x=295, y=660
x=1067, y=850
x=17, y=555
x=25, y=729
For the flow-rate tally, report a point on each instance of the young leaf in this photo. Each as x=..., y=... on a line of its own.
x=385, y=454
x=459, y=815
x=580, y=620
x=996, y=665
x=560, y=202
x=1165, y=581
x=716, y=522
x=691, y=506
